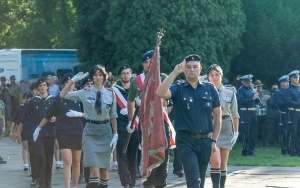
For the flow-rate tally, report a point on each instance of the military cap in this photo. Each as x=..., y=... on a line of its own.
x=86, y=81
x=294, y=73
x=147, y=55
x=192, y=57
x=283, y=78
x=126, y=66
x=66, y=77
x=247, y=77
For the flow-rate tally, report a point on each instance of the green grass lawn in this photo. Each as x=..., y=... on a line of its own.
x=264, y=156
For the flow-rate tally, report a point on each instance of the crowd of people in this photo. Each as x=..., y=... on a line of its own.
x=82, y=127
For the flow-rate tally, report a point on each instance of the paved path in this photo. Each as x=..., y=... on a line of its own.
x=12, y=175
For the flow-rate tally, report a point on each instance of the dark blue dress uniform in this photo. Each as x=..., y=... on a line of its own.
x=68, y=129
x=292, y=100
x=248, y=119
x=43, y=148
x=127, y=164
x=277, y=103
x=193, y=125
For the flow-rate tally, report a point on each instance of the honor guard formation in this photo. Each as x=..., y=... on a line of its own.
x=92, y=122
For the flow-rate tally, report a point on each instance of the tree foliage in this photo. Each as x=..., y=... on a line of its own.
x=118, y=32
x=272, y=40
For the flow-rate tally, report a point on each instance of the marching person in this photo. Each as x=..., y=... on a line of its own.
x=158, y=177
x=292, y=100
x=229, y=131
x=246, y=98
x=68, y=132
x=194, y=103
x=126, y=161
x=98, y=139
x=41, y=150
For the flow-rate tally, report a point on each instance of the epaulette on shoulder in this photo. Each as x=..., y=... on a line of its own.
x=230, y=87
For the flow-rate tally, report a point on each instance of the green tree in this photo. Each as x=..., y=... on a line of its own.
x=118, y=32
x=272, y=40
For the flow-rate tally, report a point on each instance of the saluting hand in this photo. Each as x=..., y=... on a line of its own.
x=180, y=67
x=79, y=76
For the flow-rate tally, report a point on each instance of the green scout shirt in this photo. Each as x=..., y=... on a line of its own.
x=88, y=99
x=16, y=91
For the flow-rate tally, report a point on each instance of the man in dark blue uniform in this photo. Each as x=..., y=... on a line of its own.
x=277, y=101
x=194, y=102
x=292, y=100
x=43, y=147
x=247, y=98
x=126, y=161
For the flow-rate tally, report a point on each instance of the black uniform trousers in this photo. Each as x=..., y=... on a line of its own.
x=248, y=128
x=293, y=123
x=283, y=132
x=272, y=132
x=262, y=129
x=127, y=161
x=177, y=165
x=41, y=158
x=158, y=176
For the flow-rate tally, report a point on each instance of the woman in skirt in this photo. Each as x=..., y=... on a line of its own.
x=98, y=139
x=229, y=131
x=68, y=132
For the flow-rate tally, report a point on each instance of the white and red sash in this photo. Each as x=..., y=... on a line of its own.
x=140, y=80
x=122, y=102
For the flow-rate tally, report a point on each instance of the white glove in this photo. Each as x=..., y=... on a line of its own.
x=73, y=113
x=129, y=130
x=36, y=133
x=234, y=138
x=113, y=142
x=124, y=111
x=138, y=101
x=79, y=76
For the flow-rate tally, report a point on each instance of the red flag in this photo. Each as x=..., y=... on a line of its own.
x=153, y=133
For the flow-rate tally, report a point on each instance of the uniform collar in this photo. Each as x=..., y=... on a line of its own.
x=94, y=89
x=186, y=83
x=221, y=87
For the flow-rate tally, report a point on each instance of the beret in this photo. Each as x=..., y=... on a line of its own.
x=147, y=55
x=126, y=66
x=66, y=77
x=192, y=57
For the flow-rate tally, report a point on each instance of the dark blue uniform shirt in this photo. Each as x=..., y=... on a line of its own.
x=63, y=123
x=292, y=96
x=35, y=111
x=193, y=107
x=278, y=100
x=244, y=97
x=122, y=120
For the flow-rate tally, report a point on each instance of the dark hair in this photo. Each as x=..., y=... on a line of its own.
x=214, y=67
x=65, y=78
x=41, y=80
x=102, y=70
x=32, y=86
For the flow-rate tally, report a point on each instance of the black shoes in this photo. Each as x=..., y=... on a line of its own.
x=179, y=173
x=33, y=183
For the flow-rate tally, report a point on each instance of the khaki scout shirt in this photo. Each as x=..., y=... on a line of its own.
x=88, y=99
x=16, y=91
x=228, y=101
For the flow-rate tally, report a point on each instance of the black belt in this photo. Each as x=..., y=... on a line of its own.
x=195, y=135
x=225, y=116
x=97, y=122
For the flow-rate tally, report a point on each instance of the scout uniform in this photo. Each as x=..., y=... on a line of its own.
x=2, y=116
x=97, y=133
